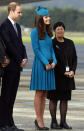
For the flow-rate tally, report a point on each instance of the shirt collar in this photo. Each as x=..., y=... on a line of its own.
x=12, y=21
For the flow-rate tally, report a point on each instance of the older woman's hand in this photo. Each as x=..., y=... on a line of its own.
x=71, y=74
x=66, y=74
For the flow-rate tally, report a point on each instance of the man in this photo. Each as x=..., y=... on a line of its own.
x=11, y=35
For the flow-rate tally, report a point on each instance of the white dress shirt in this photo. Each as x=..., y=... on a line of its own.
x=14, y=24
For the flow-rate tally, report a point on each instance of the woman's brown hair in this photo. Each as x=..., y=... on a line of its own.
x=39, y=23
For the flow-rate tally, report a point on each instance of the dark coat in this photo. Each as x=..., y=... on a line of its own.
x=65, y=53
x=14, y=46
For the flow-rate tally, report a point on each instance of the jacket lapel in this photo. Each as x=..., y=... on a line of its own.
x=18, y=30
x=12, y=28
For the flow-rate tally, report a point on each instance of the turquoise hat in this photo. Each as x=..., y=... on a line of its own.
x=42, y=11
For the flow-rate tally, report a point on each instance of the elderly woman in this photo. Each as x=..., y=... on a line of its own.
x=64, y=76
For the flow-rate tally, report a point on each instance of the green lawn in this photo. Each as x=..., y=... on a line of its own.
x=77, y=37
x=26, y=39
x=77, y=40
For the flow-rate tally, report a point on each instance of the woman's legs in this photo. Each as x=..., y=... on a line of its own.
x=43, y=100
x=39, y=104
x=53, y=110
x=63, y=111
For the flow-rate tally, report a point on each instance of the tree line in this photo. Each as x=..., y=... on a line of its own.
x=72, y=18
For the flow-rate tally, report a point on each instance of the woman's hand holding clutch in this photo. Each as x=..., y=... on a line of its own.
x=48, y=67
x=53, y=65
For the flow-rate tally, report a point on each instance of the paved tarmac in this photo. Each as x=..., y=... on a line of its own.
x=24, y=113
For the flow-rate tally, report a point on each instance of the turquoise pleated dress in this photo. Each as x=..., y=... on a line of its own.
x=43, y=50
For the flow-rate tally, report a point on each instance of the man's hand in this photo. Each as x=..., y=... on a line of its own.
x=6, y=62
x=24, y=61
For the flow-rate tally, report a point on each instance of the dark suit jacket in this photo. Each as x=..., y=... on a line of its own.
x=14, y=45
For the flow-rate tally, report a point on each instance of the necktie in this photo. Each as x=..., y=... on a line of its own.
x=15, y=29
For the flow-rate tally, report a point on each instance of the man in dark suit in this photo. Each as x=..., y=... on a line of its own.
x=11, y=35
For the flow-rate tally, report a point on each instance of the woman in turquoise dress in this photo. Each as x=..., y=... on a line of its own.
x=42, y=78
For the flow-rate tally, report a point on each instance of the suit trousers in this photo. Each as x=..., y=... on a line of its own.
x=10, y=82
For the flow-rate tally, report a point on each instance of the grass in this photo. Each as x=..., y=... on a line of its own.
x=26, y=39
x=77, y=37
x=77, y=40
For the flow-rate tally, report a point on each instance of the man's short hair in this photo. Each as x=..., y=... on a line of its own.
x=12, y=6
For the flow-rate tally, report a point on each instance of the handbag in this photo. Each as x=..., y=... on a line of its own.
x=50, y=62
